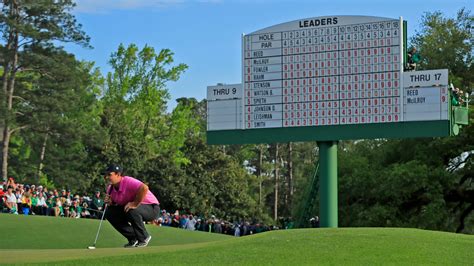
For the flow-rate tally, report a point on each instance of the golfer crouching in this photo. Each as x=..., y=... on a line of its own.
x=130, y=203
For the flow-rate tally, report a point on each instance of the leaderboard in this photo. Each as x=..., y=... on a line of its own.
x=323, y=71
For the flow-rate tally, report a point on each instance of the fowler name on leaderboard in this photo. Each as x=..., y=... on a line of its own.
x=318, y=22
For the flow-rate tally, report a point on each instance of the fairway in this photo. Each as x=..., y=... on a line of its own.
x=37, y=239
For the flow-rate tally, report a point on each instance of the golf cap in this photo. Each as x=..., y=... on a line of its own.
x=113, y=168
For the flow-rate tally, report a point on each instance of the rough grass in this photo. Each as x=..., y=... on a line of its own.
x=64, y=241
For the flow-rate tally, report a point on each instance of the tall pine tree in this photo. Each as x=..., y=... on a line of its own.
x=26, y=24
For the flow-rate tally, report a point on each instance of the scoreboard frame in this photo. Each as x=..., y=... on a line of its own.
x=415, y=129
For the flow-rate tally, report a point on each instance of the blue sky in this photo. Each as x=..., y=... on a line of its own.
x=206, y=34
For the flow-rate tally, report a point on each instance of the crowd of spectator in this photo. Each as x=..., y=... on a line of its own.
x=213, y=225
x=38, y=200
x=458, y=97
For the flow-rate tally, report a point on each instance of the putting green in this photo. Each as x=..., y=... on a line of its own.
x=64, y=241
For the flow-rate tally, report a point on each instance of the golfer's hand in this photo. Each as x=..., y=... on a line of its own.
x=107, y=199
x=130, y=205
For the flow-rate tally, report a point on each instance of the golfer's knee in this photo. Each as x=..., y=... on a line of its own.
x=133, y=213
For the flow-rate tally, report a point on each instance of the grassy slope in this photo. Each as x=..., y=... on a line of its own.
x=305, y=246
x=41, y=232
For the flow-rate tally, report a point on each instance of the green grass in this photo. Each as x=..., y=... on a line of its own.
x=47, y=240
x=43, y=232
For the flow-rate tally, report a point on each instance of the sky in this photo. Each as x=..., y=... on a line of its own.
x=206, y=34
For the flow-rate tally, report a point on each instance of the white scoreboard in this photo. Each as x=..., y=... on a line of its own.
x=224, y=107
x=323, y=71
x=425, y=95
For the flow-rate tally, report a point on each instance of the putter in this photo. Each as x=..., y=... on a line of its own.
x=101, y=220
x=100, y=225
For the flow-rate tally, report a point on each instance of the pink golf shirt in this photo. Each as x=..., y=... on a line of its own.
x=128, y=189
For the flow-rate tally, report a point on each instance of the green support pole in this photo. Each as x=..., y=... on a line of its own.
x=328, y=183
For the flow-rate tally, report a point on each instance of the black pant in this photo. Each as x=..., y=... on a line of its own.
x=130, y=224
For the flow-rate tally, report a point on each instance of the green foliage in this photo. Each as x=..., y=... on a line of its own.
x=59, y=108
x=20, y=153
x=45, y=182
x=42, y=21
x=405, y=187
x=448, y=43
x=134, y=108
x=180, y=127
x=305, y=156
x=30, y=31
x=211, y=182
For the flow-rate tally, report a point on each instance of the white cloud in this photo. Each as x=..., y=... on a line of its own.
x=103, y=6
